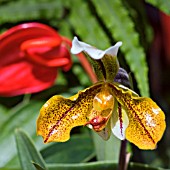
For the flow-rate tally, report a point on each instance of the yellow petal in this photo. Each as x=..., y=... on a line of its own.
x=59, y=115
x=147, y=124
x=146, y=119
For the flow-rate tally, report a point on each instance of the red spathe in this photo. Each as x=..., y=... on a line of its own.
x=29, y=57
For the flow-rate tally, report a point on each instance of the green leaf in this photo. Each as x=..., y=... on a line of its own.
x=10, y=168
x=117, y=20
x=85, y=166
x=106, y=150
x=163, y=5
x=16, y=11
x=37, y=166
x=86, y=25
x=27, y=151
x=78, y=149
x=23, y=116
x=101, y=165
x=139, y=166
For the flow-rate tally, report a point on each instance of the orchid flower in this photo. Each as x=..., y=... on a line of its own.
x=106, y=106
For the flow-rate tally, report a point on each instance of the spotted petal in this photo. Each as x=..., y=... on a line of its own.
x=146, y=119
x=78, y=46
x=59, y=115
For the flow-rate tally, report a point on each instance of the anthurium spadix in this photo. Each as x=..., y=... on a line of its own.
x=107, y=106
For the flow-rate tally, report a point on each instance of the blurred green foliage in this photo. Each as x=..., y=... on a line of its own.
x=97, y=22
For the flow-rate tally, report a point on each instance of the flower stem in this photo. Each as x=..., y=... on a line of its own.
x=124, y=156
x=26, y=98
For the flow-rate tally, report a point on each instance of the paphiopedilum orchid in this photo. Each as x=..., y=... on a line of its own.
x=104, y=107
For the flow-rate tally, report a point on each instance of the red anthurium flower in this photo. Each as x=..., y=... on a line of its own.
x=30, y=54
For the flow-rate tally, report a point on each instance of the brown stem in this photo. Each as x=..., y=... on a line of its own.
x=124, y=156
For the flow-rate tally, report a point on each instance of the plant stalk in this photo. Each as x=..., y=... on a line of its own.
x=124, y=156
